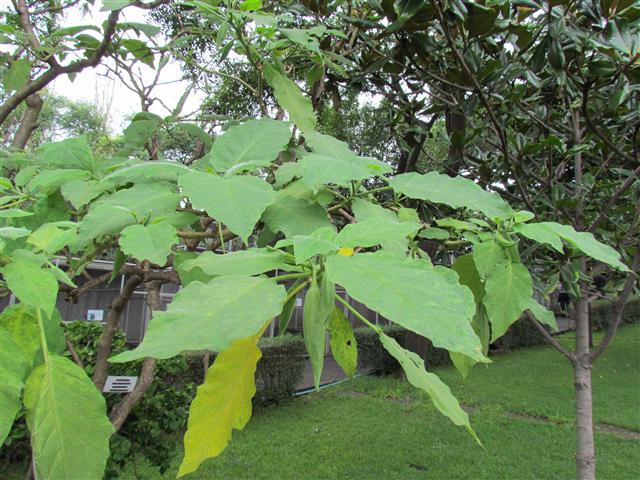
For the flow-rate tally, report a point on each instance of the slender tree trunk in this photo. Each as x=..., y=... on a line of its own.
x=122, y=409
x=106, y=340
x=585, y=446
x=29, y=121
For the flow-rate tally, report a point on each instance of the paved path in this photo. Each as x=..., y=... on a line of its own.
x=331, y=372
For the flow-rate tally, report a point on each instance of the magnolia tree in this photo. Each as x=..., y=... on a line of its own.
x=300, y=201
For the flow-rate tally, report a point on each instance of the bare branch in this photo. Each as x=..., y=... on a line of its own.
x=550, y=340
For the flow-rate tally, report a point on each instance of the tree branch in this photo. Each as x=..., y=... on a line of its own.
x=550, y=340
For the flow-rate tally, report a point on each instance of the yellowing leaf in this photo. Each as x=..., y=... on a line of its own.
x=345, y=251
x=222, y=403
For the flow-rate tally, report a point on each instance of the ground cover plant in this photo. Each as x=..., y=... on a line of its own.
x=516, y=203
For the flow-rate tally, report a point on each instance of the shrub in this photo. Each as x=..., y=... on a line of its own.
x=281, y=367
x=371, y=354
x=521, y=334
x=602, y=312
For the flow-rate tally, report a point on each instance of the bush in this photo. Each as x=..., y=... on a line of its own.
x=521, y=334
x=281, y=367
x=371, y=354
x=602, y=312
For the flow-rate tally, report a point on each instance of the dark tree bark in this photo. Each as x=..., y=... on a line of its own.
x=28, y=122
x=106, y=340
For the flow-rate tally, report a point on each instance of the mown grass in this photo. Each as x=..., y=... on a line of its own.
x=382, y=428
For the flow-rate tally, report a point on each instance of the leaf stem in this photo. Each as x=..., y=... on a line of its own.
x=289, y=276
x=376, y=328
x=43, y=338
x=295, y=291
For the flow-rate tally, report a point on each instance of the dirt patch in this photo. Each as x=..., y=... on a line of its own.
x=620, y=432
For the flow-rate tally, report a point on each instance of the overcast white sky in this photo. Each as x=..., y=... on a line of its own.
x=99, y=86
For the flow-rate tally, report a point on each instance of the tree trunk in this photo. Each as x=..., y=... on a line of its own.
x=109, y=333
x=122, y=409
x=28, y=122
x=585, y=447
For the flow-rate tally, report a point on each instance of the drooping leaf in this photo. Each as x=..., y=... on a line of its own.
x=314, y=324
x=424, y=299
x=14, y=368
x=236, y=308
x=60, y=402
x=457, y=192
x=291, y=99
x=252, y=261
x=587, y=244
x=31, y=283
x=417, y=376
x=151, y=242
x=252, y=144
x=508, y=289
x=542, y=314
x=343, y=342
x=465, y=267
x=540, y=233
x=222, y=403
x=374, y=232
x=238, y=202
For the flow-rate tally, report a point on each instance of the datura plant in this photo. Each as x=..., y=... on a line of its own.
x=304, y=206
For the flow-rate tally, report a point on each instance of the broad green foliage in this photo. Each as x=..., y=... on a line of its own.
x=149, y=242
x=417, y=376
x=424, y=299
x=456, y=192
x=69, y=153
x=253, y=144
x=235, y=307
x=52, y=237
x=344, y=347
x=543, y=315
x=14, y=368
x=540, y=233
x=315, y=321
x=291, y=99
x=222, y=403
x=510, y=281
x=238, y=202
x=245, y=262
x=31, y=283
x=60, y=403
x=375, y=232
x=147, y=172
x=293, y=215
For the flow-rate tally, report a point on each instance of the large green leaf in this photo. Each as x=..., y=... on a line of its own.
x=457, y=192
x=465, y=267
x=14, y=368
x=31, y=283
x=111, y=214
x=149, y=242
x=69, y=153
x=424, y=299
x=319, y=242
x=17, y=74
x=66, y=416
x=21, y=322
x=148, y=172
x=540, y=233
x=253, y=144
x=291, y=99
x=48, y=181
x=374, y=232
x=252, y=261
x=314, y=323
x=542, y=314
x=508, y=289
x=417, y=376
x=343, y=342
x=487, y=256
x=365, y=210
x=52, y=237
x=80, y=193
x=210, y=316
x=238, y=202
x=189, y=274
x=587, y=244
x=294, y=215
x=222, y=403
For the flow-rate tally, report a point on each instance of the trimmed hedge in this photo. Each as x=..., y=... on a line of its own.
x=373, y=357
x=280, y=369
x=521, y=334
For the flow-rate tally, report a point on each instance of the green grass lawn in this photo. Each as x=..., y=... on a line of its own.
x=383, y=428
